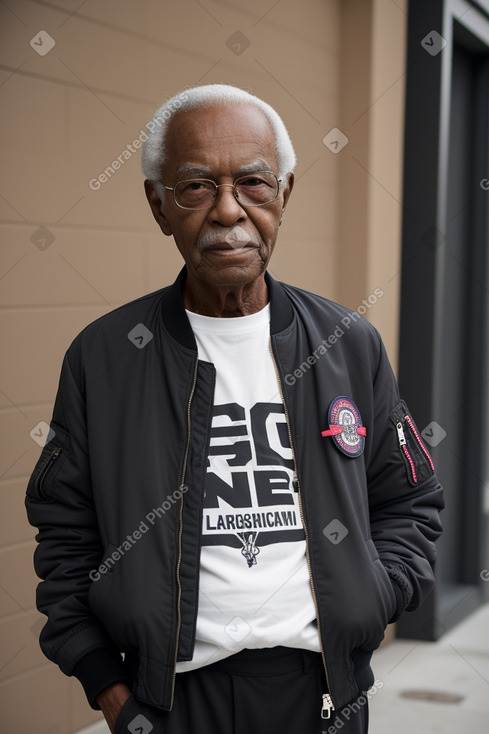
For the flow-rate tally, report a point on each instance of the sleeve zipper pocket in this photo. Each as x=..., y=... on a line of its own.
x=46, y=467
x=416, y=435
x=418, y=462
x=405, y=451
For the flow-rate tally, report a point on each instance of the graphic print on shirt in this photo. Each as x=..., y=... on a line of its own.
x=249, y=497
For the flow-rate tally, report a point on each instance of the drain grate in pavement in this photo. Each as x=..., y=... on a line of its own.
x=437, y=696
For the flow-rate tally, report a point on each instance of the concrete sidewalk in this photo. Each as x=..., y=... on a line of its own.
x=457, y=665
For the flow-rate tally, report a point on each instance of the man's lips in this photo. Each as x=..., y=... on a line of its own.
x=226, y=247
x=236, y=239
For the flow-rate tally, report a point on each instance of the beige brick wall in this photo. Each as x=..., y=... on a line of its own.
x=66, y=116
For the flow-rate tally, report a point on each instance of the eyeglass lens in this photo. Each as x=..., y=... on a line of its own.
x=253, y=190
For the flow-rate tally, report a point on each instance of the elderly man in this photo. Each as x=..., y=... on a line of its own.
x=234, y=502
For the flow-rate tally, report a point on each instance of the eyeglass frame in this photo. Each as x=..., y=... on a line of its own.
x=218, y=186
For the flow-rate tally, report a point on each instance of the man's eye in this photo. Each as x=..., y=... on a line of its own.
x=253, y=181
x=195, y=186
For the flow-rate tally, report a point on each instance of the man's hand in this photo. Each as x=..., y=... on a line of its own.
x=111, y=700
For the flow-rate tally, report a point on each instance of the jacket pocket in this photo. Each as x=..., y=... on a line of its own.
x=416, y=457
x=105, y=597
x=102, y=578
x=366, y=599
x=126, y=716
x=135, y=716
x=54, y=454
x=380, y=570
x=391, y=594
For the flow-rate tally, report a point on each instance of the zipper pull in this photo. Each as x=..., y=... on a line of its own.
x=295, y=482
x=400, y=434
x=327, y=706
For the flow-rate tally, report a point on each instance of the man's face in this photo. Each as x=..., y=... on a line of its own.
x=228, y=245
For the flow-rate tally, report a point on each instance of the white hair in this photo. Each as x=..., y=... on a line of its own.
x=154, y=152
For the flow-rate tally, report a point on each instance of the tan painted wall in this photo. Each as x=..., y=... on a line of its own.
x=372, y=86
x=67, y=115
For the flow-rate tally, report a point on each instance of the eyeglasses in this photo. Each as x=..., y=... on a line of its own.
x=255, y=189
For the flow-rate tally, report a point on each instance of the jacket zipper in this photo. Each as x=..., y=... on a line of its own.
x=327, y=706
x=423, y=448
x=180, y=531
x=46, y=467
x=405, y=450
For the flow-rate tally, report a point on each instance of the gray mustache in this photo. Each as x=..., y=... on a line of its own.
x=236, y=237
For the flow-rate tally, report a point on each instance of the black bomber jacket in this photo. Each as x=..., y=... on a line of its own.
x=130, y=432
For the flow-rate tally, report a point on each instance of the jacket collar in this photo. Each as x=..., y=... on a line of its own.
x=178, y=325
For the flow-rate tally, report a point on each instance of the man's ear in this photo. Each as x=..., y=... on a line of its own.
x=288, y=189
x=157, y=207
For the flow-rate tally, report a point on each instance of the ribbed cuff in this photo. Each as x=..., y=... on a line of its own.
x=98, y=670
x=402, y=589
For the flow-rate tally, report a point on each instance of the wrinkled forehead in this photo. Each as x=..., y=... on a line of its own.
x=221, y=139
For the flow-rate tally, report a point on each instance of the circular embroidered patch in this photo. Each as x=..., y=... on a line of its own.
x=346, y=428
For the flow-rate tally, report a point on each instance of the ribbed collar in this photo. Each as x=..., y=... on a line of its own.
x=178, y=325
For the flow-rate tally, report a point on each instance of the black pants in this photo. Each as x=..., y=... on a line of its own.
x=276, y=691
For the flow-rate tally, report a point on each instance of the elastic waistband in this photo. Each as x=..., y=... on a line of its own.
x=268, y=662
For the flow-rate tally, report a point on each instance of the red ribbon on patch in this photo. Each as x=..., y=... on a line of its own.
x=335, y=430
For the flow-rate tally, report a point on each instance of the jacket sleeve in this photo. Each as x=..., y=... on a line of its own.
x=405, y=497
x=59, y=503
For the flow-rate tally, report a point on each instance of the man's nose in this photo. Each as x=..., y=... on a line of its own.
x=226, y=210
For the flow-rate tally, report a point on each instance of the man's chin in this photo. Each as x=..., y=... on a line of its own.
x=228, y=268
x=243, y=250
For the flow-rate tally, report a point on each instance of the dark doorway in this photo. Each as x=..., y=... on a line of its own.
x=445, y=296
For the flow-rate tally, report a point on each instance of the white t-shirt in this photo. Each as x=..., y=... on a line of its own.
x=254, y=581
